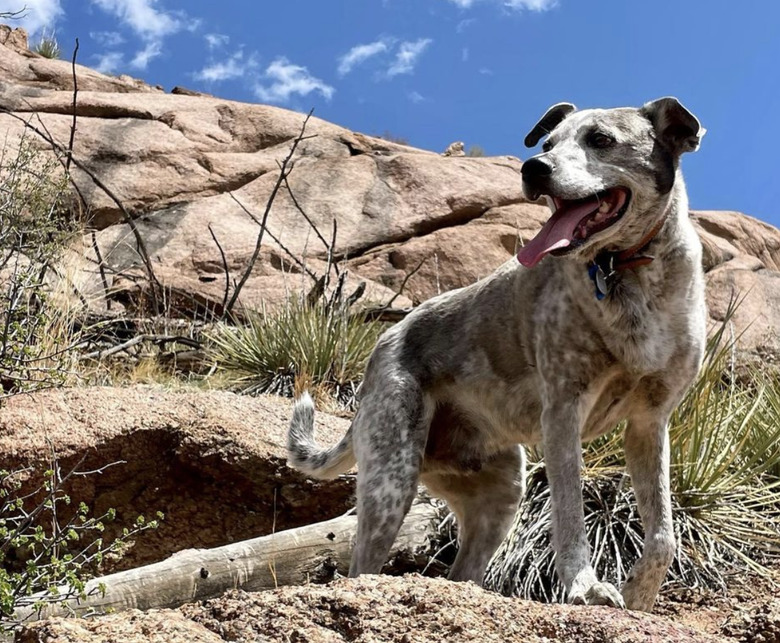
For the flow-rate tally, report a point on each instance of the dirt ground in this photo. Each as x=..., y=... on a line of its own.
x=412, y=609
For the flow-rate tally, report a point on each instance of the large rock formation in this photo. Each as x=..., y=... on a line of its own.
x=177, y=160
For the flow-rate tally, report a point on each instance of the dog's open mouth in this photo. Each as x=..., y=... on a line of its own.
x=573, y=222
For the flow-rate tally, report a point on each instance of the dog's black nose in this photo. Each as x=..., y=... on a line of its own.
x=536, y=168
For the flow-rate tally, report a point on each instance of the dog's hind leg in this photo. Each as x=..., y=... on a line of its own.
x=484, y=503
x=390, y=431
x=647, y=458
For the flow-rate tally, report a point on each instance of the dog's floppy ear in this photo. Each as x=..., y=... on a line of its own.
x=675, y=126
x=548, y=122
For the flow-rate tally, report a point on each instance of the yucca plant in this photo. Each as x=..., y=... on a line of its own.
x=323, y=344
x=725, y=459
x=48, y=47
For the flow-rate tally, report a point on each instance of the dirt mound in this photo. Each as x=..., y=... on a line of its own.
x=213, y=462
x=410, y=609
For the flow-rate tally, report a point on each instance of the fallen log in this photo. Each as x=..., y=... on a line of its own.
x=296, y=556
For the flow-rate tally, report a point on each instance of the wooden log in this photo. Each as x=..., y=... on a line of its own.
x=293, y=557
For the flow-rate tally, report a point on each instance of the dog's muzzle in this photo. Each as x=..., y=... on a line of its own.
x=536, y=174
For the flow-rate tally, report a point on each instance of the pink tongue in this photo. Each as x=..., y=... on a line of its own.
x=558, y=232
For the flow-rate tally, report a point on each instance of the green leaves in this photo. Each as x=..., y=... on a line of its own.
x=48, y=547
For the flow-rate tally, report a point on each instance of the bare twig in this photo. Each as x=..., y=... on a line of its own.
x=224, y=268
x=330, y=253
x=75, y=95
x=403, y=283
x=387, y=312
x=157, y=339
x=274, y=238
x=141, y=245
x=308, y=219
x=283, y=171
x=101, y=268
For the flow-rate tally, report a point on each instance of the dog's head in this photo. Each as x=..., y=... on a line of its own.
x=606, y=173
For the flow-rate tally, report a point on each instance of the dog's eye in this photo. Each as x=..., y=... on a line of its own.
x=547, y=146
x=600, y=141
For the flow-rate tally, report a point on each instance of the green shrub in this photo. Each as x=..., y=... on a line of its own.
x=725, y=458
x=325, y=346
x=48, y=546
x=475, y=151
x=35, y=229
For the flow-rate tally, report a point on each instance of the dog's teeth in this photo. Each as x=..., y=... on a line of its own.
x=604, y=207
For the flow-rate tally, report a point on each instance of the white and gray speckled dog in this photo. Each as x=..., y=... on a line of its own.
x=557, y=349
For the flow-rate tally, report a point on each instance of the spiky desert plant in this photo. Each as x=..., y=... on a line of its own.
x=725, y=455
x=47, y=46
x=327, y=345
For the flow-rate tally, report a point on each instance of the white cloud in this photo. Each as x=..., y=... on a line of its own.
x=360, y=54
x=236, y=66
x=37, y=15
x=464, y=24
x=108, y=62
x=416, y=97
x=107, y=38
x=531, y=5
x=464, y=56
x=288, y=79
x=216, y=40
x=407, y=56
x=149, y=22
x=152, y=50
x=517, y=5
x=143, y=17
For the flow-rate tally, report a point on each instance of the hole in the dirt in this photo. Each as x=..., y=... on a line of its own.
x=212, y=494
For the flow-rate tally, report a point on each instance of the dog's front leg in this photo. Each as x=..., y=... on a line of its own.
x=647, y=458
x=563, y=460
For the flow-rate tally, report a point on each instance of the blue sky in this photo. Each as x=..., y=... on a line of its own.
x=481, y=71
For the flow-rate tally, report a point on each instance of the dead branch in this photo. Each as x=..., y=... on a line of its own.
x=404, y=282
x=274, y=238
x=283, y=171
x=101, y=269
x=75, y=96
x=141, y=245
x=330, y=254
x=387, y=313
x=308, y=219
x=296, y=556
x=160, y=340
x=225, y=268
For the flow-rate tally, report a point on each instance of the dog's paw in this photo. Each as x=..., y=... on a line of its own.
x=639, y=597
x=598, y=594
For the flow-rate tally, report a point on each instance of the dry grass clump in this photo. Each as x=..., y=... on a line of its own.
x=725, y=460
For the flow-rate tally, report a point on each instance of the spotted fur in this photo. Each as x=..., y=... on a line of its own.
x=530, y=356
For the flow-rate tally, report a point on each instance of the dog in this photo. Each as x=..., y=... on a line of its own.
x=600, y=318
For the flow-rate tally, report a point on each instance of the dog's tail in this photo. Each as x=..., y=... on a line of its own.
x=306, y=455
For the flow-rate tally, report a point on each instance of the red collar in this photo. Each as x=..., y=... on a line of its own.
x=630, y=258
x=602, y=270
